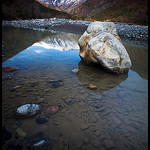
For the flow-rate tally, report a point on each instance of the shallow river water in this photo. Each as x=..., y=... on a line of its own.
x=114, y=116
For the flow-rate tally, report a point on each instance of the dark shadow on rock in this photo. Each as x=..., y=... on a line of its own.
x=97, y=77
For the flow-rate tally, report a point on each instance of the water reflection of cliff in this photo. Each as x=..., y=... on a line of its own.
x=60, y=41
x=98, y=77
x=17, y=39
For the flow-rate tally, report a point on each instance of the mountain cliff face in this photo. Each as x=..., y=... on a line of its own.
x=65, y=5
x=90, y=7
x=28, y=9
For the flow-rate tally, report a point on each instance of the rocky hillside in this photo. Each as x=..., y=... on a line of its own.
x=28, y=9
x=134, y=11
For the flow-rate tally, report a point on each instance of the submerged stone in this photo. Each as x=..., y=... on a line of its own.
x=6, y=76
x=44, y=143
x=20, y=132
x=41, y=120
x=75, y=70
x=84, y=126
x=56, y=83
x=69, y=101
x=28, y=110
x=53, y=109
x=9, y=69
x=92, y=87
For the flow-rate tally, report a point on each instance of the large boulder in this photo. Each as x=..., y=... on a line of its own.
x=101, y=44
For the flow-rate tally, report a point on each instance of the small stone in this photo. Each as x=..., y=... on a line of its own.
x=61, y=106
x=41, y=120
x=69, y=101
x=53, y=109
x=84, y=126
x=28, y=110
x=9, y=69
x=21, y=133
x=75, y=70
x=92, y=87
x=56, y=83
x=97, y=105
x=44, y=143
x=11, y=89
x=56, y=123
x=16, y=87
x=97, y=133
x=40, y=99
x=62, y=114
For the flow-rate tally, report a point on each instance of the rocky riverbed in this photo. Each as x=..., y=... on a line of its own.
x=129, y=32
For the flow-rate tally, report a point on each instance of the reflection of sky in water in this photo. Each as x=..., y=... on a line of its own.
x=38, y=56
x=135, y=82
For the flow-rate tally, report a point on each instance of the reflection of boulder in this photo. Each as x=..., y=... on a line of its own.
x=98, y=77
x=100, y=44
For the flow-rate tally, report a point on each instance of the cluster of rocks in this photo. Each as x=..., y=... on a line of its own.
x=126, y=31
x=132, y=31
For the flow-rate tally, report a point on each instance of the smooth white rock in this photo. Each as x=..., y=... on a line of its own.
x=28, y=110
x=101, y=44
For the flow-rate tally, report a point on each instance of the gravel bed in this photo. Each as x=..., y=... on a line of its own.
x=128, y=32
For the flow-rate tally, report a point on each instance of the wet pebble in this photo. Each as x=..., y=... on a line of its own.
x=56, y=83
x=41, y=120
x=6, y=76
x=39, y=99
x=75, y=70
x=53, y=109
x=20, y=133
x=44, y=143
x=28, y=110
x=92, y=87
x=9, y=69
x=61, y=106
x=97, y=133
x=84, y=126
x=69, y=101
